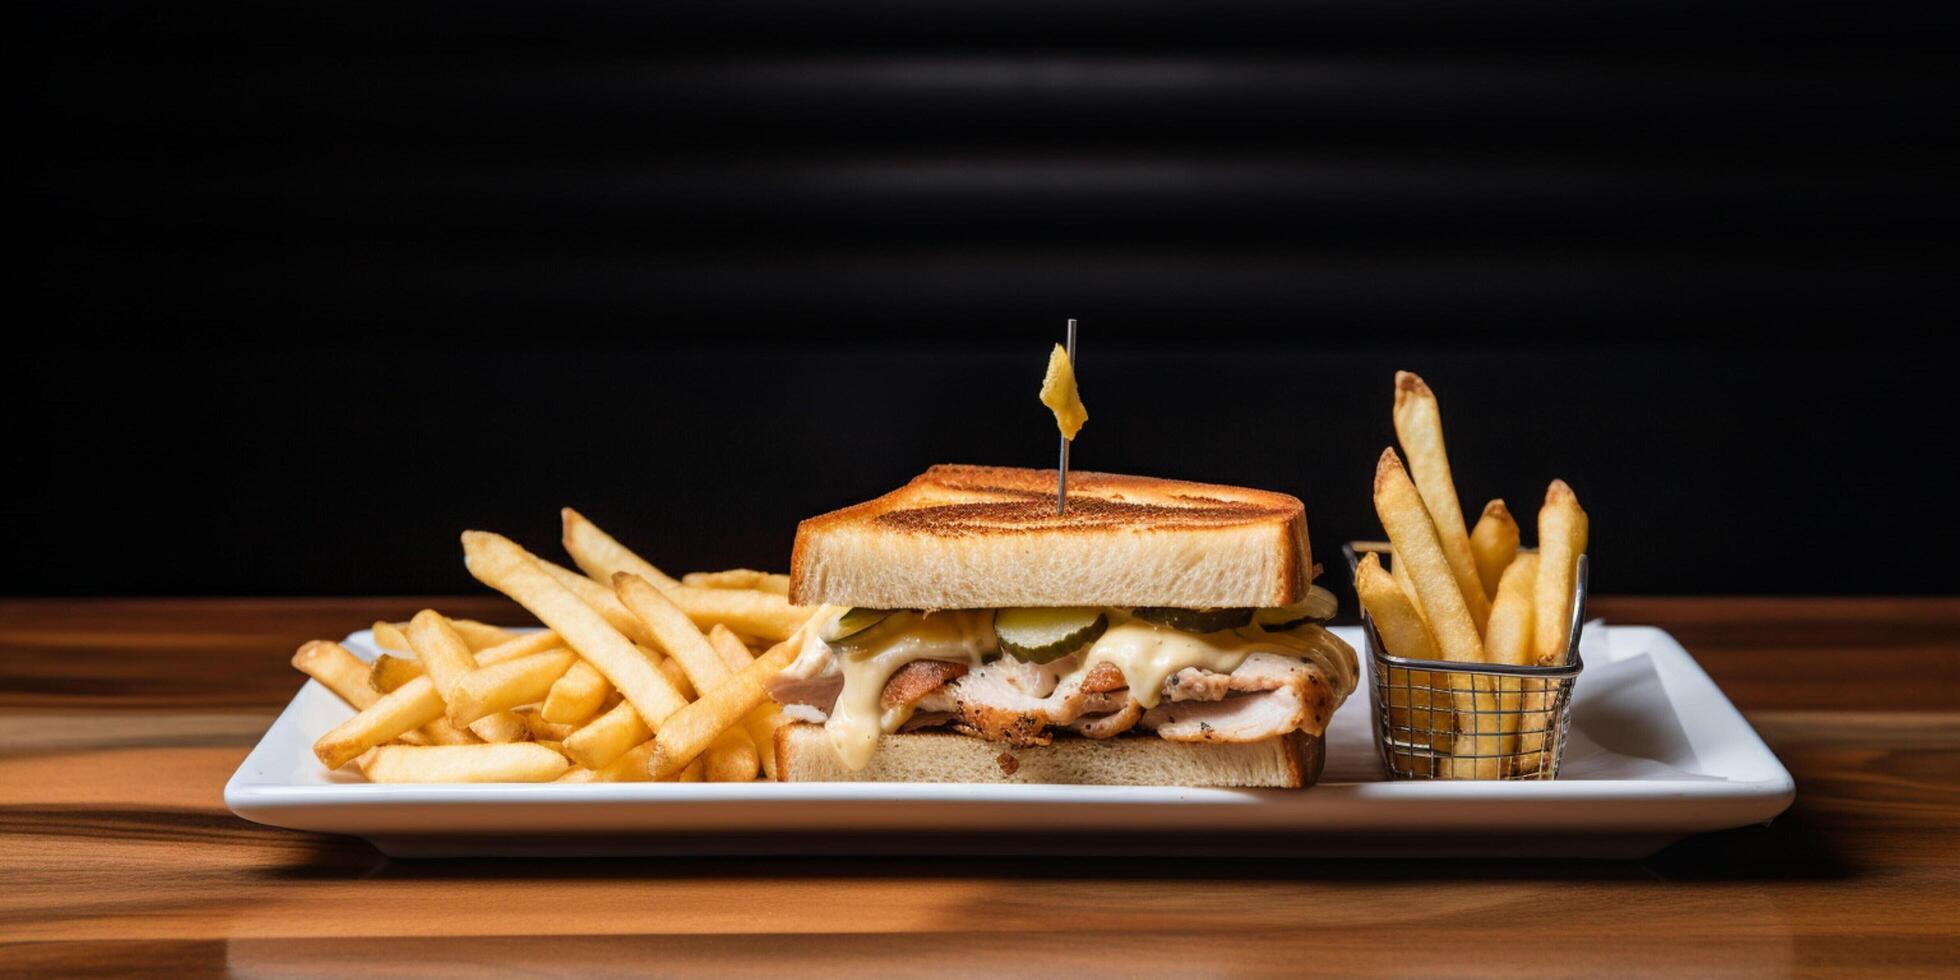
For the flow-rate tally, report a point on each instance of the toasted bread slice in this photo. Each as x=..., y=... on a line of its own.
x=804, y=755
x=980, y=537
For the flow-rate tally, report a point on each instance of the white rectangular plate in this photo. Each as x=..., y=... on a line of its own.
x=1657, y=753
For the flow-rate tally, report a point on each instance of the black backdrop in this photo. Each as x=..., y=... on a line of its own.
x=312, y=287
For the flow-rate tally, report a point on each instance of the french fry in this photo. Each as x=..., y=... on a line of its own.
x=576, y=696
x=396, y=713
x=739, y=578
x=763, y=614
x=630, y=767
x=600, y=741
x=521, y=645
x=688, y=731
x=602, y=600
x=1419, y=427
x=389, y=636
x=1412, y=707
x=1562, y=530
x=1507, y=641
x=598, y=555
x=678, y=636
x=762, y=723
x=546, y=731
x=519, y=762
x=447, y=659
x=576, y=774
x=734, y=653
x=1400, y=570
x=1451, y=628
x=339, y=671
x=1493, y=543
x=731, y=757
x=501, y=564
x=675, y=675
x=497, y=688
x=691, y=773
x=388, y=672
x=1403, y=515
x=481, y=636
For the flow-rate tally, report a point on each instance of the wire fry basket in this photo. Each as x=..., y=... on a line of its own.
x=1444, y=720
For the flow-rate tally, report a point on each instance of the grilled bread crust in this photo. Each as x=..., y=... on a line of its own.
x=804, y=755
x=978, y=537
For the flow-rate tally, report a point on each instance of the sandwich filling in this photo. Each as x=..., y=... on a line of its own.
x=1162, y=674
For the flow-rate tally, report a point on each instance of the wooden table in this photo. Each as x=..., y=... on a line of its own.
x=121, y=720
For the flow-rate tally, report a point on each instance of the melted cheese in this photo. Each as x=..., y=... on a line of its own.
x=869, y=663
x=1149, y=654
x=1146, y=653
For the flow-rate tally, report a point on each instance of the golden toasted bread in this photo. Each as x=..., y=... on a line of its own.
x=975, y=537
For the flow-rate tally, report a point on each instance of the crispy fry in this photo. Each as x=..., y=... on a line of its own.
x=514, y=763
x=576, y=774
x=1562, y=530
x=763, y=614
x=692, y=773
x=1412, y=708
x=502, y=565
x=520, y=645
x=500, y=687
x=402, y=710
x=1419, y=427
x=576, y=696
x=1507, y=642
x=447, y=659
x=546, y=731
x=337, y=670
x=1494, y=543
x=481, y=636
x=673, y=672
x=739, y=578
x=389, y=672
x=630, y=767
x=734, y=653
x=598, y=555
x=1400, y=570
x=683, y=736
x=1451, y=626
x=602, y=600
x=389, y=636
x=603, y=739
x=679, y=637
x=731, y=757
x=762, y=723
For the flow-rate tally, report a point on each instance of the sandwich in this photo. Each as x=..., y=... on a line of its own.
x=1157, y=633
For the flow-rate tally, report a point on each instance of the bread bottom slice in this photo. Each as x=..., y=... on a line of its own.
x=804, y=755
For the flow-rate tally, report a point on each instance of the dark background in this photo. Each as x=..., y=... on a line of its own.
x=309, y=288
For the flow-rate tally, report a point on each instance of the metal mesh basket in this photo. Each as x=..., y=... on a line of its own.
x=1442, y=720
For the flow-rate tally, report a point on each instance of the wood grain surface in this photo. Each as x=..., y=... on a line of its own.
x=121, y=720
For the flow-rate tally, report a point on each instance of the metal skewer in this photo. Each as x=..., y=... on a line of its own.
x=1061, y=472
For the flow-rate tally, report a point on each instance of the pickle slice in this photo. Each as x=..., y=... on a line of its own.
x=1195, y=620
x=1318, y=607
x=853, y=622
x=1040, y=635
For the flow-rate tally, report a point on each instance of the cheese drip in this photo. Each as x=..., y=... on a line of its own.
x=1149, y=654
x=868, y=663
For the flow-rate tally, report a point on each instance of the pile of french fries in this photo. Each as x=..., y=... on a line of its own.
x=1467, y=596
x=635, y=677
